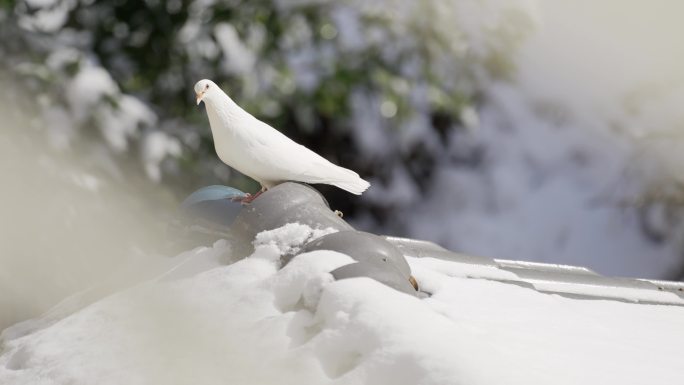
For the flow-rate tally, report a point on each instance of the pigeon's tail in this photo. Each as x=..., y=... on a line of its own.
x=350, y=181
x=355, y=187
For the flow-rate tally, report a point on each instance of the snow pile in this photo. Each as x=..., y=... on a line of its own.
x=289, y=238
x=251, y=323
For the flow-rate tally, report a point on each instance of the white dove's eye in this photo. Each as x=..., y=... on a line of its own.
x=206, y=87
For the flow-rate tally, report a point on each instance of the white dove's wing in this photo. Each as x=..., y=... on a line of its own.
x=289, y=160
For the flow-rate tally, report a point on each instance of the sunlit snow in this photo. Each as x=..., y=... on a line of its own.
x=250, y=322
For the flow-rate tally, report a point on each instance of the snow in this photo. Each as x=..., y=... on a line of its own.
x=239, y=59
x=250, y=322
x=120, y=117
x=50, y=17
x=87, y=88
x=289, y=238
x=157, y=146
x=606, y=291
x=119, y=125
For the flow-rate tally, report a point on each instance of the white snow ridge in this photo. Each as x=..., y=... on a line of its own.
x=251, y=322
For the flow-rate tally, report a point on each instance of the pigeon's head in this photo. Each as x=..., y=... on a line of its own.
x=205, y=87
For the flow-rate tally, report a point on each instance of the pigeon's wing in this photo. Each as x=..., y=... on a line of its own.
x=293, y=161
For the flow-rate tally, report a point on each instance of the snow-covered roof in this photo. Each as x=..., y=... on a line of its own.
x=281, y=315
x=570, y=281
x=293, y=202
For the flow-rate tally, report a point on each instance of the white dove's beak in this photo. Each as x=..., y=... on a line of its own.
x=200, y=95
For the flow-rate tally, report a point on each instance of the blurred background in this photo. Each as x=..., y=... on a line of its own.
x=514, y=129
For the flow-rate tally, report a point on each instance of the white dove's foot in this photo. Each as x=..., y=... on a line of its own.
x=249, y=197
x=237, y=199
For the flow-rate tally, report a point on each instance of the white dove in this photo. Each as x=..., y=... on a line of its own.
x=263, y=153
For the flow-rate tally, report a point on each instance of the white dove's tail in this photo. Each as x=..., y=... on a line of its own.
x=348, y=180
x=355, y=186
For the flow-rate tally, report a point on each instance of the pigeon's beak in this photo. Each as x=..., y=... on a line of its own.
x=200, y=95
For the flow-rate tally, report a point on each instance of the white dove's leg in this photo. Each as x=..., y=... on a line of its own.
x=249, y=198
